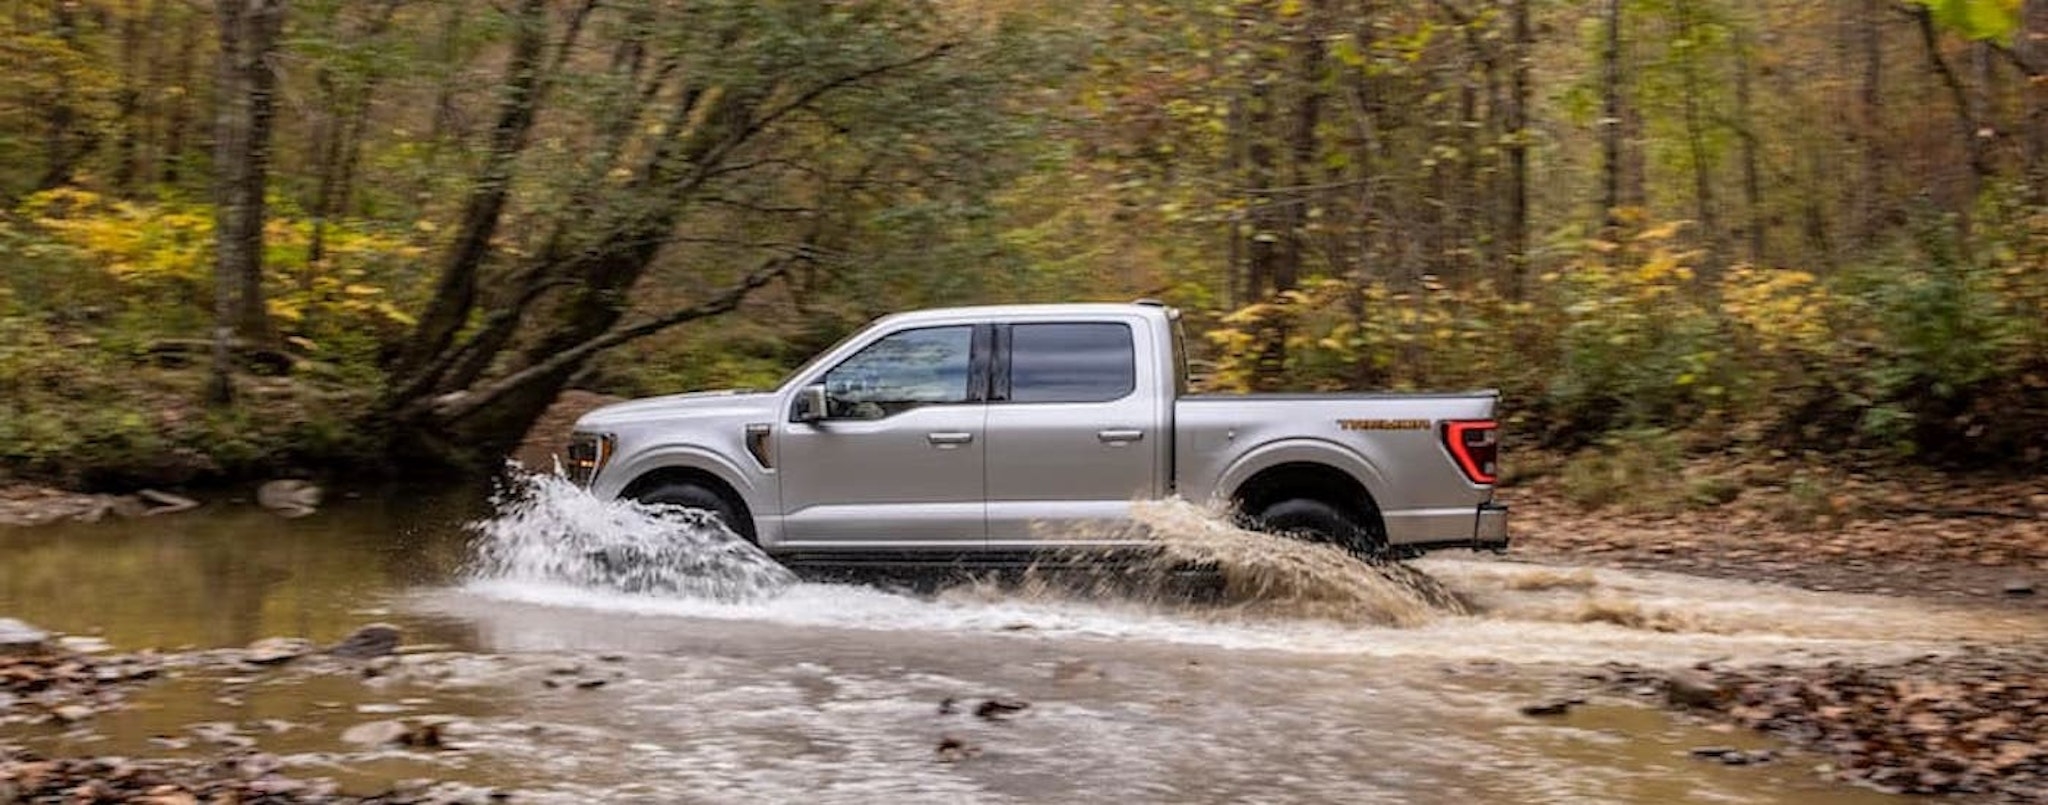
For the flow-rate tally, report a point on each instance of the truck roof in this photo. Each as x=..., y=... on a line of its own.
x=1059, y=309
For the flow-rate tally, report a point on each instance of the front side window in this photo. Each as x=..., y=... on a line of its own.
x=1071, y=362
x=902, y=371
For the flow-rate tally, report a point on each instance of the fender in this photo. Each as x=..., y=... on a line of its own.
x=760, y=501
x=1305, y=449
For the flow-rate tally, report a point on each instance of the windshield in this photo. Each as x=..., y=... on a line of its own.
x=806, y=366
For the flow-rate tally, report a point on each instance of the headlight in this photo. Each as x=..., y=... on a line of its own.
x=587, y=454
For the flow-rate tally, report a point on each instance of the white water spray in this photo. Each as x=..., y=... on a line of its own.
x=548, y=530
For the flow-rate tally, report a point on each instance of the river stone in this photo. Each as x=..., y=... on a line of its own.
x=1690, y=689
x=20, y=638
x=277, y=650
x=374, y=733
x=374, y=640
x=290, y=497
x=2017, y=588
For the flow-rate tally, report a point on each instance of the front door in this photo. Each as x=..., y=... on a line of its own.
x=1074, y=433
x=897, y=463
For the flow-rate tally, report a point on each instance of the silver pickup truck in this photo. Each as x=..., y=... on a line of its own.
x=991, y=434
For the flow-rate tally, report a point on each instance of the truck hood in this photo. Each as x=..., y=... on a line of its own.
x=736, y=402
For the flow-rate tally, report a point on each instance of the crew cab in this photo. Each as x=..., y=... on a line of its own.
x=993, y=434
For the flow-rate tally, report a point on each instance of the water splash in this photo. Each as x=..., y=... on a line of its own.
x=548, y=530
x=1236, y=574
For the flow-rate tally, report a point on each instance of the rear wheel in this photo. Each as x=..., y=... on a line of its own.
x=693, y=496
x=1317, y=521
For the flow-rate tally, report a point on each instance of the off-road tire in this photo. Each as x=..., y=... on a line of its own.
x=1317, y=521
x=692, y=496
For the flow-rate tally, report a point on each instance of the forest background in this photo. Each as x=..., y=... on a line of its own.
x=251, y=237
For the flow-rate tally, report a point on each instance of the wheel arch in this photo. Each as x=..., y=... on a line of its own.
x=683, y=474
x=1326, y=473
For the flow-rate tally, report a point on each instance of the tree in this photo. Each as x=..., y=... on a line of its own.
x=244, y=108
x=719, y=134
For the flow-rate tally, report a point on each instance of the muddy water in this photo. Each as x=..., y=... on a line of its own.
x=570, y=680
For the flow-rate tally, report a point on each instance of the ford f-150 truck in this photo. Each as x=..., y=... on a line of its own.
x=991, y=434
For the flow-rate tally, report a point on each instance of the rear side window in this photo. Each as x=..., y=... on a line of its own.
x=1071, y=362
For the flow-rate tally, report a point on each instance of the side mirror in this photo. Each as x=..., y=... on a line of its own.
x=810, y=403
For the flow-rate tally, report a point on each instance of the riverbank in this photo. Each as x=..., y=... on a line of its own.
x=1907, y=533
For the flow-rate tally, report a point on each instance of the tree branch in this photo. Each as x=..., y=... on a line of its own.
x=457, y=405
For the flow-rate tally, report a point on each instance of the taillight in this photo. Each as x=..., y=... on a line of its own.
x=1475, y=444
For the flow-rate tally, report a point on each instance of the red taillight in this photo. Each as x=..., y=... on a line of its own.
x=1475, y=443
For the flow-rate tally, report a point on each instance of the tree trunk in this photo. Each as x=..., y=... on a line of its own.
x=1518, y=153
x=1610, y=119
x=1696, y=138
x=1870, y=199
x=242, y=125
x=1978, y=167
x=455, y=293
x=128, y=104
x=180, y=122
x=2031, y=45
x=67, y=139
x=1752, y=181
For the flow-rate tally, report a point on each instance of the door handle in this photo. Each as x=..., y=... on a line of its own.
x=1119, y=436
x=947, y=440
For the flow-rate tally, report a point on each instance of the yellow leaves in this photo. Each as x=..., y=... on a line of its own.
x=167, y=248
x=1781, y=309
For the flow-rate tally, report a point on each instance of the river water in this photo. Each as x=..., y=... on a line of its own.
x=567, y=670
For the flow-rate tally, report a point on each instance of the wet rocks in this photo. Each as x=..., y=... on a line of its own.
x=425, y=733
x=1972, y=722
x=20, y=638
x=1731, y=756
x=952, y=749
x=1693, y=689
x=246, y=777
x=1000, y=709
x=277, y=650
x=289, y=497
x=63, y=688
x=2018, y=588
x=374, y=640
x=1547, y=709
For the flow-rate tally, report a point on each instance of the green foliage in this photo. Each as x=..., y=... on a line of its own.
x=1990, y=20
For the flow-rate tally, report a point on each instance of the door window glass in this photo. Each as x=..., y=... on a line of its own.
x=902, y=371
x=1071, y=362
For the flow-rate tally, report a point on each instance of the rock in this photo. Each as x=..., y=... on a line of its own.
x=374, y=640
x=1714, y=752
x=289, y=497
x=949, y=706
x=2018, y=588
x=589, y=684
x=1557, y=708
x=1692, y=689
x=71, y=713
x=953, y=750
x=999, y=709
x=375, y=733
x=17, y=638
x=164, y=502
x=277, y=650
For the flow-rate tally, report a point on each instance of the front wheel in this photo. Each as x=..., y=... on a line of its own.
x=692, y=496
x=1317, y=521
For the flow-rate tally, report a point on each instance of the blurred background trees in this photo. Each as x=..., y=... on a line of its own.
x=1779, y=225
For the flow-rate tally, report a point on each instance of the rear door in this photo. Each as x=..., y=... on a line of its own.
x=1071, y=430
